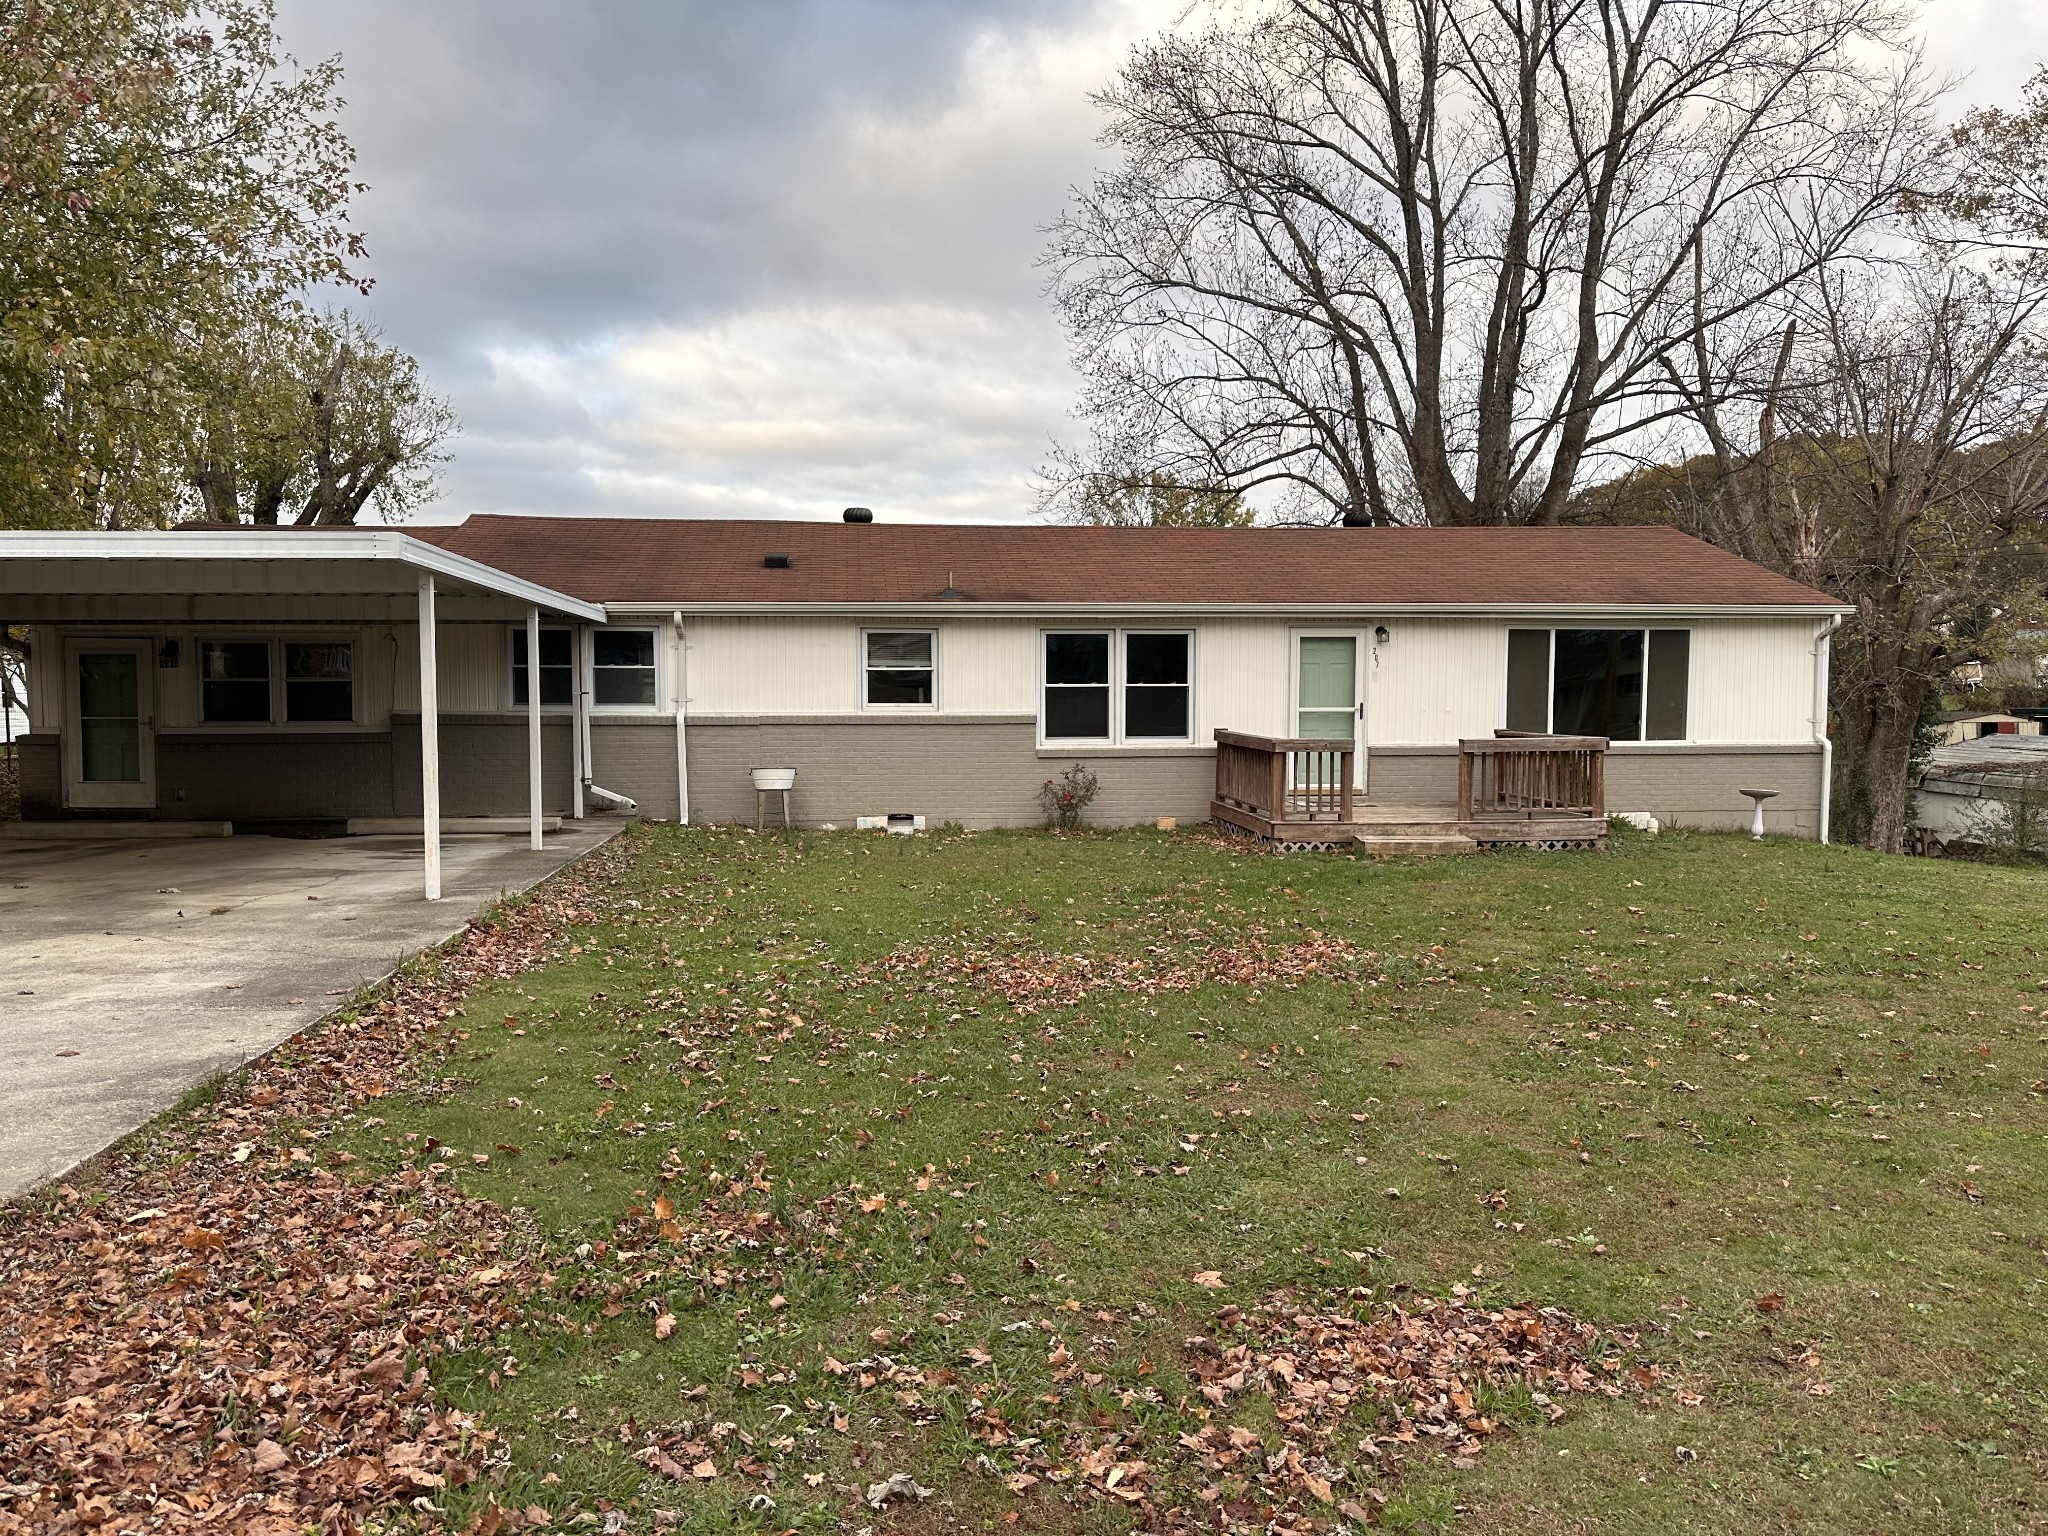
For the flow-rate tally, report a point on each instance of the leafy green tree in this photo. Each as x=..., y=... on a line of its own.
x=312, y=418
x=168, y=178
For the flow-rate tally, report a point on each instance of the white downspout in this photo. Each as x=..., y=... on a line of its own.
x=682, y=740
x=1821, y=652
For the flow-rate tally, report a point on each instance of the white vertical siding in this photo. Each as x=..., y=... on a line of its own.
x=472, y=668
x=1752, y=680
x=1435, y=680
x=988, y=667
x=773, y=666
x=1241, y=678
x=45, y=681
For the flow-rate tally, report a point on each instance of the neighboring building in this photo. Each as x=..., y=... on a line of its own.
x=1959, y=798
x=274, y=675
x=1961, y=725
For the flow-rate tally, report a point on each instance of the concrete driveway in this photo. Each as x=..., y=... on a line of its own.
x=131, y=970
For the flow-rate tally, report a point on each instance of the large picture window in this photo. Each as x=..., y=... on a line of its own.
x=899, y=667
x=234, y=682
x=557, y=673
x=1156, y=687
x=621, y=668
x=1077, y=686
x=1624, y=684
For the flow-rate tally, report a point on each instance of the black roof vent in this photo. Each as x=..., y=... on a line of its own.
x=1357, y=519
x=776, y=559
x=858, y=515
x=951, y=592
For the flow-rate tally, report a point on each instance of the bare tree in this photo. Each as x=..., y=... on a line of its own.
x=1899, y=461
x=1422, y=259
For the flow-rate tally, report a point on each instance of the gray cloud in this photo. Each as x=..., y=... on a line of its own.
x=760, y=257
x=704, y=256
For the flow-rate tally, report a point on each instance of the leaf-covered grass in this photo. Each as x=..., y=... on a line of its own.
x=1779, y=1108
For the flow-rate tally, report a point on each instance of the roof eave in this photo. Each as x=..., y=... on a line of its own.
x=954, y=608
x=339, y=546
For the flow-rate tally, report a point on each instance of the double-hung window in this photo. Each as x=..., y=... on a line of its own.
x=1118, y=686
x=621, y=668
x=319, y=680
x=1158, y=693
x=1077, y=686
x=234, y=682
x=899, y=668
x=1624, y=684
x=557, y=669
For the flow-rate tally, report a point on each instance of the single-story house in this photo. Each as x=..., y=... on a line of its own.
x=523, y=664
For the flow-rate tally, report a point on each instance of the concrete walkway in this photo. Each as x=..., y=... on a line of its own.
x=129, y=970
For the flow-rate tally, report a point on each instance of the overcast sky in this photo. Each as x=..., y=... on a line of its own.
x=761, y=257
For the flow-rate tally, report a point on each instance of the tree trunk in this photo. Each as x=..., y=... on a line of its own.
x=1880, y=736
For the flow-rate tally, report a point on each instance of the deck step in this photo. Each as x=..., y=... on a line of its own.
x=1413, y=846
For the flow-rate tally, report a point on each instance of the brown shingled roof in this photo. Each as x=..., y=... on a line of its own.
x=680, y=560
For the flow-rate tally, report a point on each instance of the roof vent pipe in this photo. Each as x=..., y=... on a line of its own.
x=858, y=515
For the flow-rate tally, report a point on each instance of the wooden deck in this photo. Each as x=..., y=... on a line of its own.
x=1542, y=792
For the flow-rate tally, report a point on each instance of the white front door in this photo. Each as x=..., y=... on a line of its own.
x=1328, y=701
x=110, y=735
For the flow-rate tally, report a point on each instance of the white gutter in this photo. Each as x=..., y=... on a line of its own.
x=937, y=609
x=338, y=545
x=1821, y=656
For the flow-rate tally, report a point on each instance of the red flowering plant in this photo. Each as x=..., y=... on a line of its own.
x=1065, y=798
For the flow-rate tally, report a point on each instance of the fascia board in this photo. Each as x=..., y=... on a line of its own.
x=338, y=547
x=1317, y=612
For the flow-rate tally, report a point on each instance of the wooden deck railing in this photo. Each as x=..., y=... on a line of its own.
x=1526, y=777
x=1285, y=778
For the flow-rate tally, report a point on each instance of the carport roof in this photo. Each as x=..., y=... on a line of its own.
x=240, y=561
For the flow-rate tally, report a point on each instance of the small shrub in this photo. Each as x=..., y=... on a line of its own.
x=1067, y=797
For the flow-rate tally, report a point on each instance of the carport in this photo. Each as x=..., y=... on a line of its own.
x=115, y=595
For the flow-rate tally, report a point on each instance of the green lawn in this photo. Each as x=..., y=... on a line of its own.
x=1655, y=1087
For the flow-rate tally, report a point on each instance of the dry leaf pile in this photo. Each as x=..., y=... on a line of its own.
x=1351, y=1389
x=1030, y=977
x=221, y=1333
x=1419, y=1375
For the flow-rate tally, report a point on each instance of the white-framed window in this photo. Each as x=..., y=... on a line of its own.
x=1077, y=687
x=234, y=682
x=1624, y=684
x=269, y=681
x=319, y=681
x=623, y=673
x=1117, y=686
x=899, y=668
x=557, y=668
x=1159, y=690
x=621, y=668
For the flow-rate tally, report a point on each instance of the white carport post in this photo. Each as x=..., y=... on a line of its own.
x=533, y=729
x=430, y=741
x=579, y=722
